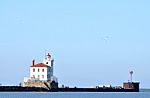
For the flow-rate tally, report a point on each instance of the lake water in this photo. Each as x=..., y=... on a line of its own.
x=73, y=95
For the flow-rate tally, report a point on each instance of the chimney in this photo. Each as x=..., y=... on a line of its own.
x=33, y=62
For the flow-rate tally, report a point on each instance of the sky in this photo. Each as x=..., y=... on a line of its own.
x=93, y=42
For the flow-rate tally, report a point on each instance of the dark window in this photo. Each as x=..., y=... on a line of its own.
x=42, y=70
x=38, y=70
x=33, y=70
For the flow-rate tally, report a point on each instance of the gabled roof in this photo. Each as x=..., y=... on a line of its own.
x=40, y=65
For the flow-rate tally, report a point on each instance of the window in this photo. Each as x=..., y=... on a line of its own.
x=38, y=70
x=43, y=76
x=42, y=70
x=39, y=76
x=33, y=70
x=46, y=62
x=33, y=76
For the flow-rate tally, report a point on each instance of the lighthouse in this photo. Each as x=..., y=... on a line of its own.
x=43, y=71
x=41, y=74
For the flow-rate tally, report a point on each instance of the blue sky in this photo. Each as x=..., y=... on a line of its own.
x=93, y=42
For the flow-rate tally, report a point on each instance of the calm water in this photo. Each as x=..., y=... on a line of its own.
x=75, y=95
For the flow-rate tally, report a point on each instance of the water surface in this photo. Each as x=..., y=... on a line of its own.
x=73, y=95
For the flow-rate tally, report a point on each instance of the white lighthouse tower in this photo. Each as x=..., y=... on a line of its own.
x=49, y=62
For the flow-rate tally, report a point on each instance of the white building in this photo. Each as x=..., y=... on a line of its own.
x=42, y=71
